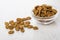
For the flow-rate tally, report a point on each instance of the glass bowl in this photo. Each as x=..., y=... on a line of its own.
x=45, y=20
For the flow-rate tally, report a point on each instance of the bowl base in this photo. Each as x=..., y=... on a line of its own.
x=46, y=22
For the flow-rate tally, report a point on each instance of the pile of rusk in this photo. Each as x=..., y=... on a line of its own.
x=19, y=25
x=44, y=11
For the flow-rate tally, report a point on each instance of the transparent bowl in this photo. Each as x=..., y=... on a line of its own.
x=46, y=20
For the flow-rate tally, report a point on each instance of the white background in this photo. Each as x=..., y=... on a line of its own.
x=12, y=9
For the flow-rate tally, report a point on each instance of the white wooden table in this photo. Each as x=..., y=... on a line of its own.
x=12, y=9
